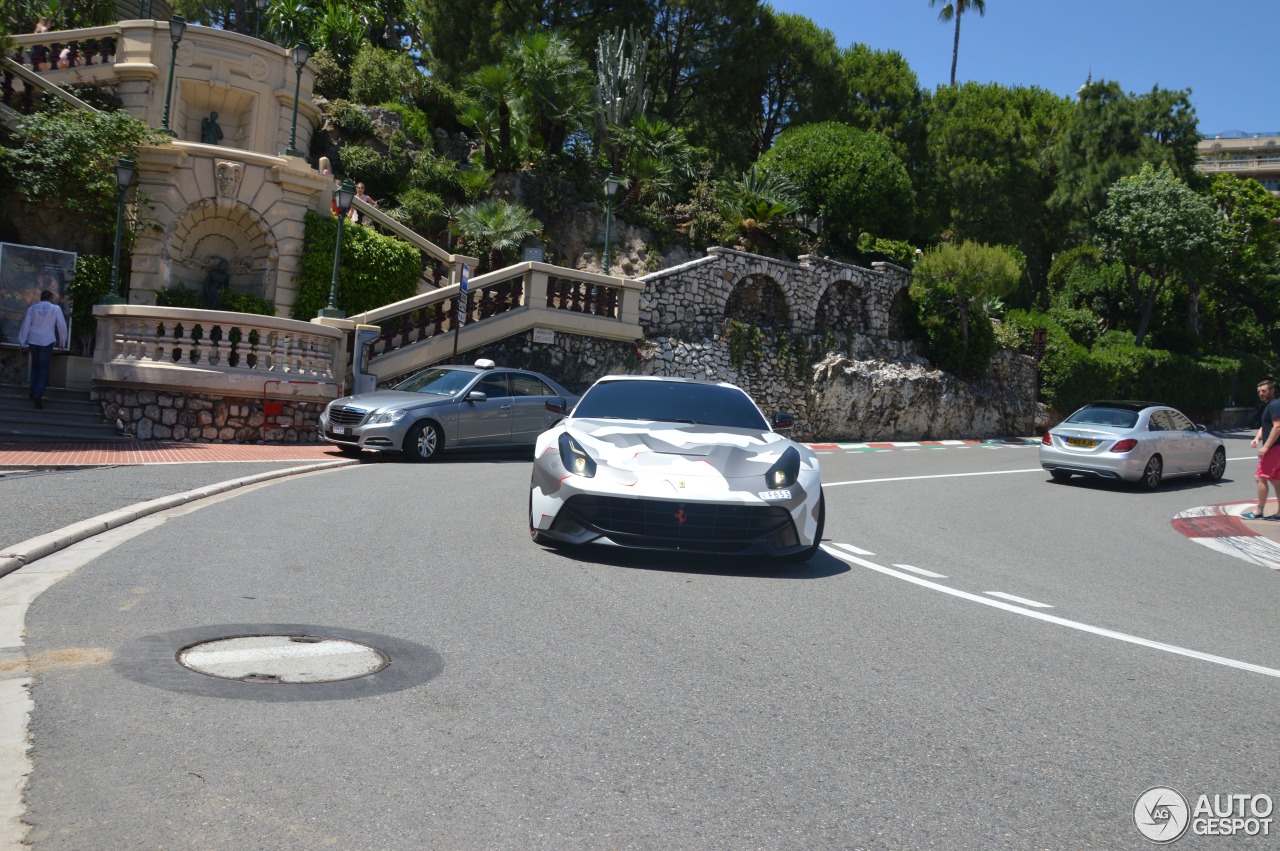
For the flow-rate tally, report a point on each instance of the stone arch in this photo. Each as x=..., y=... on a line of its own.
x=842, y=309
x=901, y=314
x=759, y=300
x=209, y=230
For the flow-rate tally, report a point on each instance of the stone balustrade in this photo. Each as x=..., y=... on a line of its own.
x=211, y=350
x=417, y=330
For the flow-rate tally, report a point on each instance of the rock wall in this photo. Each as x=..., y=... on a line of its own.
x=195, y=417
x=871, y=389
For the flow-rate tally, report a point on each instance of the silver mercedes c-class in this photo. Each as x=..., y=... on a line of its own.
x=447, y=407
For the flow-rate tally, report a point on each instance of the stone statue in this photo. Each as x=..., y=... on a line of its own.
x=217, y=282
x=210, y=132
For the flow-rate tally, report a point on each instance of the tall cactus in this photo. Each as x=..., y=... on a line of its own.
x=622, y=91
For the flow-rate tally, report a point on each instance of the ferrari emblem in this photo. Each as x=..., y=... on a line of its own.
x=680, y=517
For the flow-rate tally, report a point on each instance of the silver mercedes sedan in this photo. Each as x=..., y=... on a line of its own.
x=1143, y=442
x=447, y=407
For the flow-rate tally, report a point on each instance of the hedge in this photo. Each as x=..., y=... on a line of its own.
x=375, y=270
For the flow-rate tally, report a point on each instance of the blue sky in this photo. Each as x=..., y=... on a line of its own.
x=1223, y=51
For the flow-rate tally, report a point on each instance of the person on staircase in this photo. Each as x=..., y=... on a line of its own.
x=43, y=327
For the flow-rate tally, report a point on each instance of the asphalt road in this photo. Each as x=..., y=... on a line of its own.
x=540, y=699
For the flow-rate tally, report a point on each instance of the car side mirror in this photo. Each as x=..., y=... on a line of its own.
x=477, y=396
x=1201, y=429
x=556, y=405
x=783, y=420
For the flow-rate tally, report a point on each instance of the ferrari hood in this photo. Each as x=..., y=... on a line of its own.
x=688, y=449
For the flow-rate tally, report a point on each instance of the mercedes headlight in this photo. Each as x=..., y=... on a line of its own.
x=387, y=417
x=575, y=458
x=784, y=473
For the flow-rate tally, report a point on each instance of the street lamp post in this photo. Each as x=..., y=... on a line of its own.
x=301, y=53
x=177, y=26
x=124, y=176
x=257, y=22
x=611, y=185
x=346, y=193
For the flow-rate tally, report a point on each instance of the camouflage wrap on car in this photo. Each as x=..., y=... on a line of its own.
x=674, y=462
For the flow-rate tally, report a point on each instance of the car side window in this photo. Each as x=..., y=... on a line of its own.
x=1159, y=421
x=1180, y=422
x=493, y=385
x=527, y=385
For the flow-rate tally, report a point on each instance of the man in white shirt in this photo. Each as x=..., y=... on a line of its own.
x=43, y=327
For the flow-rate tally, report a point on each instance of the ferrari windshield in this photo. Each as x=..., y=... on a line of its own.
x=671, y=401
x=437, y=381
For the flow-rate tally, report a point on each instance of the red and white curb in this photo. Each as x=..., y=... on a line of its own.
x=1221, y=528
x=885, y=445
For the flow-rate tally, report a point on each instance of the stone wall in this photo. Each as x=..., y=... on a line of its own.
x=695, y=299
x=203, y=418
x=869, y=389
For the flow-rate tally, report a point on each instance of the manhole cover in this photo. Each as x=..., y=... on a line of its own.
x=283, y=659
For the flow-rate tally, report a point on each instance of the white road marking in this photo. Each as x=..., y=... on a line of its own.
x=1054, y=619
x=1023, y=600
x=937, y=476
x=919, y=570
x=855, y=550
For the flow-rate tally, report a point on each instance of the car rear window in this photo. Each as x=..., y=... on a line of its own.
x=1113, y=417
x=669, y=401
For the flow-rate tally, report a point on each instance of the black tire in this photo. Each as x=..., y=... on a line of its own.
x=1060, y=475
x=423, y=441
x=1152, y=473
x=810, y=551
x=1217, y=466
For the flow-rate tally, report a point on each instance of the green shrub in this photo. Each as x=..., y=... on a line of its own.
x=333, y=80
x=943, y=344
x=352, y=121
x=1081, y=324
x=1071, y=376
x=414, y=122
x=247, y=303
x=383, y=76
x=375, y=270
x=420, y=211
x=365, y=165
x=91, y=283
x=179, y=296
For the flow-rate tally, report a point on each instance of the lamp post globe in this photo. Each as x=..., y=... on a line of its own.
x=301, y=53
x=611, y=184
x=345, y=195
x=124, y=177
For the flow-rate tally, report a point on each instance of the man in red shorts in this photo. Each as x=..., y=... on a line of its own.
x=1268, y=455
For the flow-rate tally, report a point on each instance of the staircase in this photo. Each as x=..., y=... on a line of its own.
x=68, y=415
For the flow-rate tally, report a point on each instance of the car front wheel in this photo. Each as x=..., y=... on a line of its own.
x=423, y=441
x=1153, y=472
x=812, y=550
x=1217, y=466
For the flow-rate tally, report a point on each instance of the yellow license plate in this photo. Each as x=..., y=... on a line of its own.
x=1081, y=442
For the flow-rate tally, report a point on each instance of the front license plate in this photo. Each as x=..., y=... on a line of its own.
x=1081, y=442
x=341, y=430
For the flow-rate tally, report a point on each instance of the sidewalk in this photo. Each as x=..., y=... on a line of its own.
x=70, y=454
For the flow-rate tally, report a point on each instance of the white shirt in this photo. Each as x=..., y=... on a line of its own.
x=43, y=324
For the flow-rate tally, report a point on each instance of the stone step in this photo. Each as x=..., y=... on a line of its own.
x=66, y=415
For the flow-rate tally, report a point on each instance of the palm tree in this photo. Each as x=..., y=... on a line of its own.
x=493, y=228
x=954, y=9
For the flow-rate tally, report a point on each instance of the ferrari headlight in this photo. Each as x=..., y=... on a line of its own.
x=387, y=417
x=784, y=473
x=575, y=458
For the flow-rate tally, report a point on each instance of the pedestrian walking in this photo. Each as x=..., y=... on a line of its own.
x=43, y=327
x=1268, y=453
